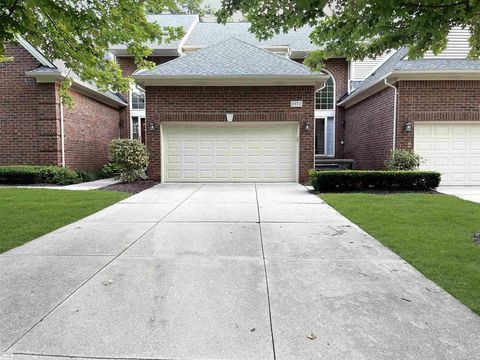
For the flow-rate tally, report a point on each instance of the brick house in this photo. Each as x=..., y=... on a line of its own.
x=223, y=106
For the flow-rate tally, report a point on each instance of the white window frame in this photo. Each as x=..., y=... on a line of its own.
x=324, y=114
x=135, y=87
x=135, y=113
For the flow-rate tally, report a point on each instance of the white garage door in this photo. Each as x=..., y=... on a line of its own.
x=453, y=149
x=230, y=152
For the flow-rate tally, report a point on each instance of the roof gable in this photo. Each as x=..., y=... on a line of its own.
x=231, y=57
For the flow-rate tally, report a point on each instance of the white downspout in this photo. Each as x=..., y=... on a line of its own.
x=394, y=113
x=62, y=133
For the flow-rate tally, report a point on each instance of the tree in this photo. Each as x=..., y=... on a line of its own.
x=358, y=29
x=80, y=32
x=184, y=7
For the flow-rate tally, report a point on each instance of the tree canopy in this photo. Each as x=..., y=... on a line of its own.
x=80, y=32
x=358, y=29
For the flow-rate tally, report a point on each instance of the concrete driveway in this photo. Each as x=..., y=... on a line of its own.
x=223, y=271
x=471, y=193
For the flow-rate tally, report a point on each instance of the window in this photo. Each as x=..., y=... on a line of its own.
x=325, y=98
x=135, y=128
x=325, y=136
x=138, y=99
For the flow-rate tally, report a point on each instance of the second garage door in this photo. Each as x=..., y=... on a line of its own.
x=453, y=149
x=230, y=152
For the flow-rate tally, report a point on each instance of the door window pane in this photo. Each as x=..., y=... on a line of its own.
x=330, y=137
x=135, y=128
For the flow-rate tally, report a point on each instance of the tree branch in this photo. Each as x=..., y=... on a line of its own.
x=12, y=8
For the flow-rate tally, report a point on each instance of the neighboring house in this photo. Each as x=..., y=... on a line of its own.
x=223, y=106
x=37, y=129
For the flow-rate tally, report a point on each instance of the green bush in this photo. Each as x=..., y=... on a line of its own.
x=88, y=175
x=401, y=159
x=110, y=169
x=355, y=180
x=37, y=174
x=131, y=156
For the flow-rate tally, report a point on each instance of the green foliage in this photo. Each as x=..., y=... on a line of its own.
x=363, y=28
x=30, y=213
x=360, y=180
x=33, y=174
x=88, y=175
x=131, y=156
x=110, y=169
x=401, y=159
x=80, y=32
x=181, y=7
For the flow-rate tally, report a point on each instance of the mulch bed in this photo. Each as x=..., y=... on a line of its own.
x=133, y=187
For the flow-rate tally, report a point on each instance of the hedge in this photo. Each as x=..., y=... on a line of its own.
x=37, y=174
x=360, y=180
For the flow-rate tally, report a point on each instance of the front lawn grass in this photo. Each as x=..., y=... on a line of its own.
x=25, y=214
x=433, y=232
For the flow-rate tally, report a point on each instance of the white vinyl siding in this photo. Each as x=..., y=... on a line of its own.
x=457, y=47
x=360, y=69
x=453, y=149
x=230, y=152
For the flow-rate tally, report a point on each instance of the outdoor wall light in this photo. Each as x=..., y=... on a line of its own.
x=152, y=126
x=306, y=126
x=408, y=127
x=229, y=117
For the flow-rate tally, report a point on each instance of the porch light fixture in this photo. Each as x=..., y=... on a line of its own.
x=306, y=126
x=408, y=127
x=229, y=117
x=152, y=126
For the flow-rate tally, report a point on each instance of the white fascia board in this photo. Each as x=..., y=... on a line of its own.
x=409, y=75
x=34, y=52
x=187, y=35
x=56, y=75
x=153, y=80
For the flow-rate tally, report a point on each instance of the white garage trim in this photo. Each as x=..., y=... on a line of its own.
x=274, y=156
x=451, y=148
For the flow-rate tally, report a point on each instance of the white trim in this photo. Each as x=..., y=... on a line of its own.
x=34, y=52
x=319, y=114
x=394, y=139
x=187, y=35
x=62, y=132
x=239, y=80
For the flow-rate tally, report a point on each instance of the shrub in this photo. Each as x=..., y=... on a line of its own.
x=131, y=156
x=36, y=174
x=110, y=169
x=355, y=180
x=87, y=175
x=401, y=159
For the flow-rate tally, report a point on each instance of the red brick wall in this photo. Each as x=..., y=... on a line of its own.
x=339, y=70
x=89, y=127
x=452, y=100
x=369, y=130
x=28, y=113
x=128, y=67
x=247, y=104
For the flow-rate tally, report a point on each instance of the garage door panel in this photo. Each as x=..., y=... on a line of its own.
x=232, y=152
x=453, y=149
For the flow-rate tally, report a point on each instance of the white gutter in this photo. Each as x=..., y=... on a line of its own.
x=62, y=132
x=394, y=142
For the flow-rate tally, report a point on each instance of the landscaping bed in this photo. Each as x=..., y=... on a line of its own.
x=30, y=213
x=435, y=233
x=133, y=187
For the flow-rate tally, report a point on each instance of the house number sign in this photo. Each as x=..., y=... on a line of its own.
x=296, y=103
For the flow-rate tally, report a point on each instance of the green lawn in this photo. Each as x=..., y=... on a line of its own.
x=28, y=213
x=432, y=232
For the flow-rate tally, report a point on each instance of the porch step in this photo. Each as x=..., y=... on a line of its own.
x=322, y=163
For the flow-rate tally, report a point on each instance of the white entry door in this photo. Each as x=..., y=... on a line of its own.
x=453, y=149
x=229, y=152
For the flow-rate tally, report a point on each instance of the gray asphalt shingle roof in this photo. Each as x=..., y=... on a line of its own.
x=183, y=21
x=232, y=57
x=438, y=64
x=206, y=34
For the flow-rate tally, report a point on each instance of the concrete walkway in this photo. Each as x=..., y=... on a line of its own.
x=223, y=271
x=470, y=193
